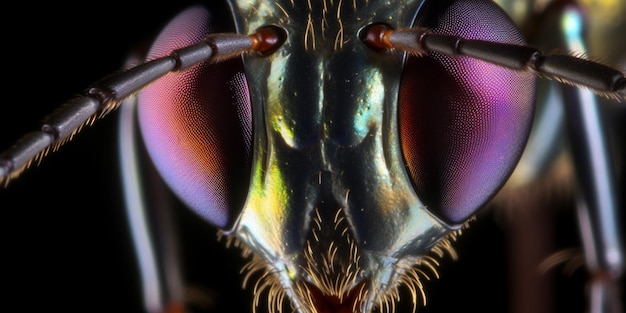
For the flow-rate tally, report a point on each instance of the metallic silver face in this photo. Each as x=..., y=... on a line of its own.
x=331, y=211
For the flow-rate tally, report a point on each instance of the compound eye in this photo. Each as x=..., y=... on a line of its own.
x=463, y=122
x=197, y=125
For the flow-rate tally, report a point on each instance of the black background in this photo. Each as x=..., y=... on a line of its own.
x=64, y=241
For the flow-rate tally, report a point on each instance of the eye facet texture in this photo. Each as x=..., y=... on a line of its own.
x=197, y=124
x=463, y=122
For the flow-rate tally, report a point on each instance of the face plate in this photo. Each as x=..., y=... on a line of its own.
x=332, y=213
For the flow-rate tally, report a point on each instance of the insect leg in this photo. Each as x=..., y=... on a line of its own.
x=597, y=199
x=597, y=202
x=152, y=230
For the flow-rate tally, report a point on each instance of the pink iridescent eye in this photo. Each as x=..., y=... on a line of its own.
x=197, y=124
x=463, y=122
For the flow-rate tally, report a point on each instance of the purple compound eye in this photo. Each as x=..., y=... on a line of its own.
x=197, y=124
x=463, y=122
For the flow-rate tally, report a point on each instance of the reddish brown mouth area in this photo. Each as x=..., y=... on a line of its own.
x=350, y=302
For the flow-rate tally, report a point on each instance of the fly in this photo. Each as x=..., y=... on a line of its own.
x=342, y=199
